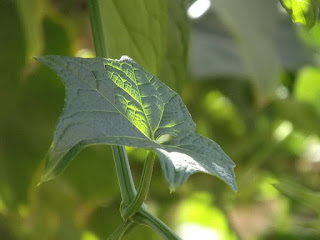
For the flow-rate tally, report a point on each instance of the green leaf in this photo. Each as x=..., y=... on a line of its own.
x=140, y=28
x=212, y=44
x=155, y=34
x=253, y=24
x=175, y=67
x=117, y=102
x=307, y=86
x=295, y=191
x=302, y=11
x=191, y=153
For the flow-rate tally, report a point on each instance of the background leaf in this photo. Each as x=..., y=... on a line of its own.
x=307, y=87
x=255, y=41
x=302, y=11
x=141, y=30
x=174, y=70
x=212, y=42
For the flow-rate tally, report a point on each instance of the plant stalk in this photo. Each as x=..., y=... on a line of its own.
x=144, y=217
x=143, y=188
x=97, y=29
x=127, y=188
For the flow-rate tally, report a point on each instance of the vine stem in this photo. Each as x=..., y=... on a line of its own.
x=132, y=202
x=156, y=224
x=143, y=188
x=127, y=189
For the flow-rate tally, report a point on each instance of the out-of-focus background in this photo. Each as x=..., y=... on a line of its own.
x=250, y=78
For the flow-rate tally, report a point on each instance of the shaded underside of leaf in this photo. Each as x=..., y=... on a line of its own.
x=253, y=23
x=193, y=153
x=117, y=102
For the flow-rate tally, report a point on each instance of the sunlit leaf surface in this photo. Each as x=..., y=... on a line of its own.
x=117, y=102
x=302, y=11
x=307, y=87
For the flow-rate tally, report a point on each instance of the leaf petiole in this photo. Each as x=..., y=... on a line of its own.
x=143, y=188
x=127, y=188
x=144, y=217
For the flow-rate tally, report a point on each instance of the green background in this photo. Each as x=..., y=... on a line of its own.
x=250, y=79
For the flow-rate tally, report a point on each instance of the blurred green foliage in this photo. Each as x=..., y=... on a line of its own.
x=274, y=141
x=304, y=12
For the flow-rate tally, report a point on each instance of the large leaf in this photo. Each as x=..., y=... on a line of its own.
x=302, y=11
x=137, y=29
x=296, y=191
x=253, y=23
x=211, y=43
x=117, y=102
x=175, y=67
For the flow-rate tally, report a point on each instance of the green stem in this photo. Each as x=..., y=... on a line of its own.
x=127, y=188
x=121, y=230
x=143, y=188
x=97, y=29
x=144, y=217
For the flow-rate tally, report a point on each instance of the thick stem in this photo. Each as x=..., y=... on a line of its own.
x=127, y=189
x=97, y=29
x=144, y=217
x=143, y=188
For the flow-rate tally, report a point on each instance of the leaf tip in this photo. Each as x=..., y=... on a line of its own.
x=42, y=180
x=232, y=183
x=36, y=58
x=39, y=59
x=234, y=187
x=172, y=189
x=45, y=178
